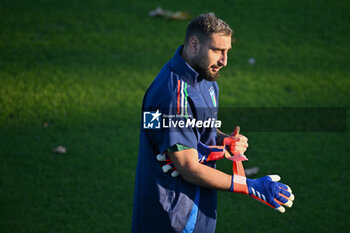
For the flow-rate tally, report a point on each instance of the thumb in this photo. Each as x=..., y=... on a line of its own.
x=236, y=131
x=275, y=177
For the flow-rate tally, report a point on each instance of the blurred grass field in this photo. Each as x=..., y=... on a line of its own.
x=83, y=67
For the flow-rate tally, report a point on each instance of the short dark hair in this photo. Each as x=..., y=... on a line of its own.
x=204, y=25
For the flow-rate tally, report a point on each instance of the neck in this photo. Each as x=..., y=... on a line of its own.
x=186, y=56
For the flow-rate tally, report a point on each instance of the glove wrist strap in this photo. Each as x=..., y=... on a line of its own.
x=239, y=180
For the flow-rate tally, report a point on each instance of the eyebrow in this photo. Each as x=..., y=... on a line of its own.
x=217, y=48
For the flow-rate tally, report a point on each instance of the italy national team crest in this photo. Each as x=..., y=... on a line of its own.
x=212, y=95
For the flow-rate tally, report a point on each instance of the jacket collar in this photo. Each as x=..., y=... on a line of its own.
x=181, y=67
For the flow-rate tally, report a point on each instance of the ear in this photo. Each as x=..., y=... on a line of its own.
x=194, y=45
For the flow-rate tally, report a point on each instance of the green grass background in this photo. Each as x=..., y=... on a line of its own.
x=83, y=67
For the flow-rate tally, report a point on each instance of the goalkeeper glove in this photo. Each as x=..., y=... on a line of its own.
x=265, y=189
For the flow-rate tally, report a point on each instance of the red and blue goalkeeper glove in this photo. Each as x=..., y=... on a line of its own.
x=265, y=189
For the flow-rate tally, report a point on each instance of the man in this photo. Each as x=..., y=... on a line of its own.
x=183, y=94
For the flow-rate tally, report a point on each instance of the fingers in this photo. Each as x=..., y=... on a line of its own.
x=289, y=189
x=281, y=209
x=241, y=144
x=169, y=166
x=235, y=150
x=285, y=187
x=278, y=195
x=286, y=191
x=241, y=138
x=285, y=195
x=175, y=173
x=237, y=145
x=278, y=205
x=233, y=141
x=292, y=197
x=166, y=168
x=284, y=201
x=289, y=203
x=161, y=157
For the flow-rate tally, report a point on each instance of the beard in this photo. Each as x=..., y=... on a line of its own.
x=200, y=64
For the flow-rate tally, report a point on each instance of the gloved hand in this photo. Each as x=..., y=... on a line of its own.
x=205, y=154
x=168, y=166
x=236, y=144
x=265, y=189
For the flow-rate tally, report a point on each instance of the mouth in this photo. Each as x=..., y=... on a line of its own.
x=215, y=69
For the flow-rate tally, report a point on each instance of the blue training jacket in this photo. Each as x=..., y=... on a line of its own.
x=162, y=203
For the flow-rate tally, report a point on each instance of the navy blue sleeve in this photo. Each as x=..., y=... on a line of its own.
x=176, y=115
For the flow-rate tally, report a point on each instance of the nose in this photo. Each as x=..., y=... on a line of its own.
x=223, y=59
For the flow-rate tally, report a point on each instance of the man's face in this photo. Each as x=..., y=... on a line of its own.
x=212, y=56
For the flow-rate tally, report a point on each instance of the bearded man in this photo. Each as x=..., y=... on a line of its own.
x=178, y=112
